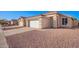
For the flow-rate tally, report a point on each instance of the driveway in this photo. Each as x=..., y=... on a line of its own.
x=16, y=31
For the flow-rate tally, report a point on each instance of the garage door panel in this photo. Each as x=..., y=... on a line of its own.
x=34, y=24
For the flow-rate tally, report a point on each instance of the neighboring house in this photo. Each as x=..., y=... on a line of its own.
x=51, y=19
x=8, y=23
x=14, y=22
x=4, y=23
x=11, y=23
x=22, y=21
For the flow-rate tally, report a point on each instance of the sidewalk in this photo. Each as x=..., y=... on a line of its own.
x=3, y=42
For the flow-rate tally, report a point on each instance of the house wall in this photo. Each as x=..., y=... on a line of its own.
x=53, y=20
x=69, y=24
x=21, y=22
x=58, y=18
x=57, y=21
x=75, y=23
x=45, y=22
x=27, y=23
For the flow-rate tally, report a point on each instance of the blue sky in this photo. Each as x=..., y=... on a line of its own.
x=16, y=14
x=71, y=13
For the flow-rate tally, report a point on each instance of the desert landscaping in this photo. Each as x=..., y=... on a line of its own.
x=42, y=38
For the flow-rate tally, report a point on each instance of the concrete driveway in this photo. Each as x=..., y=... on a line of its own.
x=17, y=31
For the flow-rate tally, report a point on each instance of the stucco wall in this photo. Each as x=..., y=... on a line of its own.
x=21, y=22
x=69, y=24
x=27, y=23
x=53, y=21
x=57, y=21
x=45, y=22
x=75, y=23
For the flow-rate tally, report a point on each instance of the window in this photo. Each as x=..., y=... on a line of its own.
x=64, y=21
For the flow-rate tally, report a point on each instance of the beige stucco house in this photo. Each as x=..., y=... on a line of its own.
x=51, y=19
x=22, y=21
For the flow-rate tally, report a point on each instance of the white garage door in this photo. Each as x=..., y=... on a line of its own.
x=34, y=24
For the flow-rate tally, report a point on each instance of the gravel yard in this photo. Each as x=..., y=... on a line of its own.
x=45, y=38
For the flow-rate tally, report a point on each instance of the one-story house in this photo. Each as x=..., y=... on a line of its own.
x=51, y=19
x=9, y=22
x=22, y=21
x=14, y=22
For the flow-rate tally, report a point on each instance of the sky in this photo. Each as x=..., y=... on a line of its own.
x=16, y=14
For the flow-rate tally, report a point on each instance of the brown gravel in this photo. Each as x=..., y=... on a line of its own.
x=46, y=38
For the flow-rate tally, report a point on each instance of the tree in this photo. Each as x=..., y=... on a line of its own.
x=3, y=22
